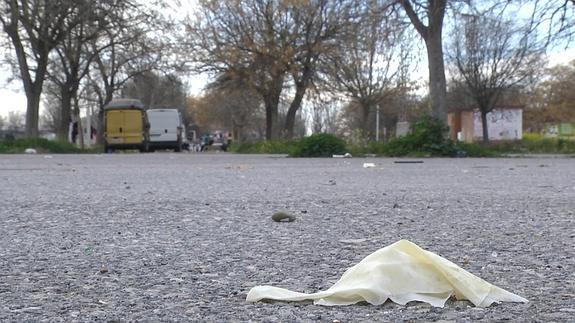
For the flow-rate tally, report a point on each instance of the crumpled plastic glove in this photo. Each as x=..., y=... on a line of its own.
x=401, y=272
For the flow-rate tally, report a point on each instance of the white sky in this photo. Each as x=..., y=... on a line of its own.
x=12, y=96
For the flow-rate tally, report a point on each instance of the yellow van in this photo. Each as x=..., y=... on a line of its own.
x=125, y=125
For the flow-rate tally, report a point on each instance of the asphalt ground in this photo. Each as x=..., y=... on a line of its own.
x=183, y=237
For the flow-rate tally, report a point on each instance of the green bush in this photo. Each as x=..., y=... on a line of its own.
x=535, y=144
x=372, y=148
x=545, y=145
x=265, y=147
x=18, y=146
x=319, y=145
x=475, y=150
x=427, y=137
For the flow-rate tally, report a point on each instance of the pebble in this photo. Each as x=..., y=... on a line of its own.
x=283, y=217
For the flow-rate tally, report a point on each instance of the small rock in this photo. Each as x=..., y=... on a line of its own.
x=103, y=269
x=283, y=217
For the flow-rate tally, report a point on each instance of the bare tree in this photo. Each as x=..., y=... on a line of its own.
x=265, y=42
x=491, y=55
x=73, y=57
x=320, y=25
x=230, y=104
x=157, y=90
x=557, y=17
x=132, y=46
x=252, y=40
x=323, y=113
x=370, y=61
x=35, y=28
x=15, y=121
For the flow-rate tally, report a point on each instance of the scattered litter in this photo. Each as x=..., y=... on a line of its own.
x=346, y=155
x=283, y=217
x=103, y=269
x=30, y=151
x=408, y=161
x=494, y=254
x=368, y=165
x=353, y=241
x=401, y=272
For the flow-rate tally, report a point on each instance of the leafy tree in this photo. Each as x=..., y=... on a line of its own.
x=553, y=100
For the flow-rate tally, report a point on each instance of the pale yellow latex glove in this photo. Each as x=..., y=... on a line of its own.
x=401, y=272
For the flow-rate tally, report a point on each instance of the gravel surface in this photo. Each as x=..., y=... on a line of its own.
x=183, y=237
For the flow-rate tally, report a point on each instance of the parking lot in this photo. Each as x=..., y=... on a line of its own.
x=183, y=237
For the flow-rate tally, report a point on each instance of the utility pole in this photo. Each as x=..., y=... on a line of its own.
x=377, y=124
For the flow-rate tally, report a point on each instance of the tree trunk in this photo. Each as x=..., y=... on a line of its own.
x=79, y=118
x=100, y=126
x=365, y=110
x=484, y=126
x=65, y=115
x=271, y=101
x=32, y=113
x=271, y=119
x=294, y=107
x=437, y=84
x=431, y=34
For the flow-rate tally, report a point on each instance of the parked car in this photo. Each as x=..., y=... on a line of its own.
x=166, y=129
x=125, y=125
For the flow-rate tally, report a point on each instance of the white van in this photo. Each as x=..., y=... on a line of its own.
x=166, y=129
